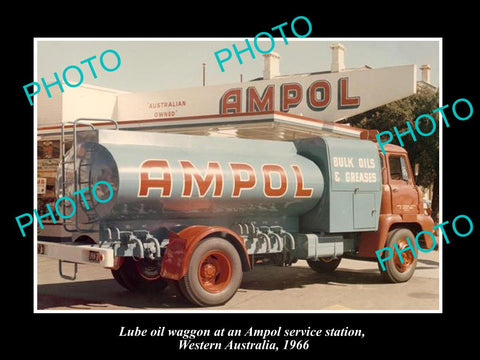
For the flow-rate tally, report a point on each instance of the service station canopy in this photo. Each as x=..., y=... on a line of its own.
x=266, y=126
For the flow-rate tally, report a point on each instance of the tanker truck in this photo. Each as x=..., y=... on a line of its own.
x=198, y=211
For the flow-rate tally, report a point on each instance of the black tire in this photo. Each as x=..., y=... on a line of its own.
x=324, y=265
x=180, y=287
x=118, y=278
x=140, y=276
x=176, y=288
x=396, y=271
x=214, y=273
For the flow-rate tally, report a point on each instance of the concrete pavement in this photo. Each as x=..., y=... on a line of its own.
x=355, y=285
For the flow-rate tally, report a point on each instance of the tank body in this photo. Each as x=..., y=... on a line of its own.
x=170, y=176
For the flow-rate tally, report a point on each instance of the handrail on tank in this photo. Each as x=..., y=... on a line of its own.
x=80, y=121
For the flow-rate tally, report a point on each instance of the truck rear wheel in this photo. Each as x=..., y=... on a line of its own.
x=397, y=270
x=118, y=278
x=140, y=276
x=214, y=273
x=324, y=265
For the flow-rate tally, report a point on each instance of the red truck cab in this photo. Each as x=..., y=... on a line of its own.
x=401, y=216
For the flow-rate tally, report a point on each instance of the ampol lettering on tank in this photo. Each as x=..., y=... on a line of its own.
x=176, y=180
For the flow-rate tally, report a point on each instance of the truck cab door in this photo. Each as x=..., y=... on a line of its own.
x=402, y=188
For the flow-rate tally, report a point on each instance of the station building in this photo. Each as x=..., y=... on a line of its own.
x=271, y=107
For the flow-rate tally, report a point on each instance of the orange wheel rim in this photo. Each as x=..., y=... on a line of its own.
x=214, y=271
x=407, y=257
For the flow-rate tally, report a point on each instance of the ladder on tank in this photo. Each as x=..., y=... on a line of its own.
x=77, y=180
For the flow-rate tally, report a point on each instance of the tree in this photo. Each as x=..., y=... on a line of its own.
x=424, y=151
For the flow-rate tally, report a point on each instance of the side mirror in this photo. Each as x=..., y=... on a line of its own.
x=416, y=171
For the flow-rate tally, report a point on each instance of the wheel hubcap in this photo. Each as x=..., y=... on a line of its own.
x=214, y=271
x=407, y=257
x=149, y=270
x=208, y=271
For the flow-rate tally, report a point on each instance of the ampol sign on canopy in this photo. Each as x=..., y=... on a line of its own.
x=329, y=96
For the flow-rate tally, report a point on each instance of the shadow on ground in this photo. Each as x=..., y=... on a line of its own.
x=269, y=277
x=90, y=295
x=100, y=294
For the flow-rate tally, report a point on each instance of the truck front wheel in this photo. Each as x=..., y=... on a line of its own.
x=399, y=267
x=140, y=276
x=214, y=273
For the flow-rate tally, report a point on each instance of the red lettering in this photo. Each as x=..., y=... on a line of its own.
x=146, y=182
x=231, y=102
x=290, y=96
x=321, y=87
x=300, y=191
x=344, y=101
x=257, y=104
x=268, y=189
x=319, y=96
x=212, y=173
x=240, y=184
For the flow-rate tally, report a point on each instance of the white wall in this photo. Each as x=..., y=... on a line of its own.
x=82, y=101
x=49, y=110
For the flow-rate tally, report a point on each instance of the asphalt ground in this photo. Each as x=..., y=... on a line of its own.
x=355, y=285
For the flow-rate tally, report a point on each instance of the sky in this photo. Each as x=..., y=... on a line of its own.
x=175, y=63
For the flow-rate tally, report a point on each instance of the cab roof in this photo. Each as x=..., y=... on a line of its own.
x=392, y=148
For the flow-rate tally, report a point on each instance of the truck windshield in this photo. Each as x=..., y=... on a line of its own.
x=398, y=168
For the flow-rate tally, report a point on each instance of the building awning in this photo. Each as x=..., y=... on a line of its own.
x=267, y=126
